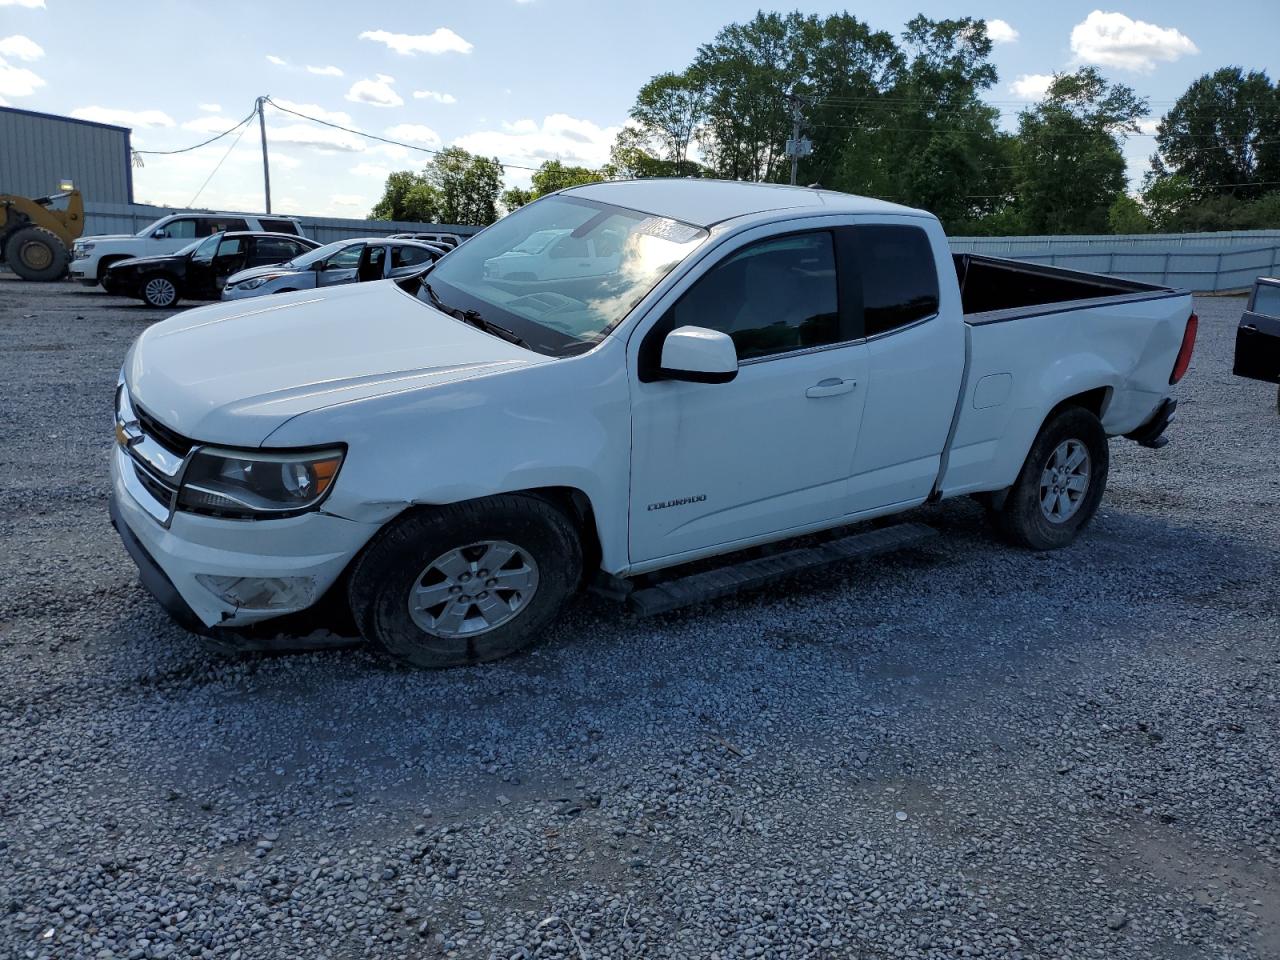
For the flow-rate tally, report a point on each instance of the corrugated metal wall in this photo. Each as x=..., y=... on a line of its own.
x=103, y=218
x=38, y=150
x=1203, y=262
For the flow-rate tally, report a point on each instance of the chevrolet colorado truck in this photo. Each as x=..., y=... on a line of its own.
x=452, y=455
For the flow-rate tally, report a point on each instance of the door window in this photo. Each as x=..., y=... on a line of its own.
x=1266, y=300
x=371, y=267
x=770, y=297
x=899, y=276
x=231, y=255
x=278, y=226
x=204, y=252
x=348, y=258
x=210, y=225
x=182, y=229
x=267, y=250
x=409, y=256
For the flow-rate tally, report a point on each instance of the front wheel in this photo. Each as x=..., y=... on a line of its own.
x=1061, y=483
x=161, y=291
x=468, y=582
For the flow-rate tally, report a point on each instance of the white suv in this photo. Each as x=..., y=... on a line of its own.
x=90, y=256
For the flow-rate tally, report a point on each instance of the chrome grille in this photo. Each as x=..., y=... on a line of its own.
x=156, y=453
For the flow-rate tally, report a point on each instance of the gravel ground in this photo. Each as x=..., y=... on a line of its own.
x=962, y=750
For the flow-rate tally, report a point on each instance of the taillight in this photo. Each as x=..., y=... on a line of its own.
x=1184, y=352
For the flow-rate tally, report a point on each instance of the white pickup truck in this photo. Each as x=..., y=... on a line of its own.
x=453, y=455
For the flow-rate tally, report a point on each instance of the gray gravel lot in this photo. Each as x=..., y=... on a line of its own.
x=962, y=750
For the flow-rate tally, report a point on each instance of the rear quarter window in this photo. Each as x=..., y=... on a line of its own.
x=899, y=276
x=279, y=226
x=1266, y=300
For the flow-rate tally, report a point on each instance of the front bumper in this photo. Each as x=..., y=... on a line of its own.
x=313, y=548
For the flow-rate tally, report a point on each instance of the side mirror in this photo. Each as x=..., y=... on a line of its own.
x=698, y=355
x=160, y=233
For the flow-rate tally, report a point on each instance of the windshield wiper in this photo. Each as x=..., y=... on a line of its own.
x=474, y=318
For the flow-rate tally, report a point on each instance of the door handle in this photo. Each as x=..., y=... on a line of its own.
x=830, y=387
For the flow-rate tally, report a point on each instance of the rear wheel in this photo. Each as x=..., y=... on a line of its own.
x=468, y=582
x=34, y=253
x=1061, y=483
x=160, y=291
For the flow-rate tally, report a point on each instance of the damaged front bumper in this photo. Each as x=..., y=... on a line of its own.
x=209, y=572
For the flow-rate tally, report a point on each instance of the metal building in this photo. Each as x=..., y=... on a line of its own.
x=39, y=151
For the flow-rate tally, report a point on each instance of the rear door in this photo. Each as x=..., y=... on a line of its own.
x=407, y=259
x=1258, y=337
x=916, y=351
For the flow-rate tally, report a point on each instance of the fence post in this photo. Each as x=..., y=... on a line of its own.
x=1164, y=281
x=1217, y=277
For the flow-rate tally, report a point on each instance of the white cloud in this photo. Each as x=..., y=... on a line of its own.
x=322, y=138
x=391, y=151
x=414, y=133
x=558, y=137
x=211, y=107
x=440, y=40
x=349, y=200
x=377, y=92
x=433, y=95
x=1001, y=32
x=314, y=110
x=3, y=102
x=1114, y=40
x=18, y=81
x=1149, y=126
x=370, y=170
x=124, y=118
x=20, y=48
x=210, y=124
x=31, y=4
x=279, y=62
x=329, y=71
x=1031, y=86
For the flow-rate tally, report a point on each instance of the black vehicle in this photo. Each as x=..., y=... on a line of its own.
x=199, y=271
x=1258, y=337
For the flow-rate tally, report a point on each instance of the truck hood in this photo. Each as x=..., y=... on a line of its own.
x=234, y=372
x=108, y=236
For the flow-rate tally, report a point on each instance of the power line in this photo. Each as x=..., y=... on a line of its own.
x=397, y=143
x=243, y=128
x=205, y=143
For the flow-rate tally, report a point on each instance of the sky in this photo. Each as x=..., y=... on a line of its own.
x=522, y=80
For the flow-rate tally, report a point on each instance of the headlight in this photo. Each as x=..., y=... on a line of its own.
x=81, y=250
x=249, y=485
x=256, y=282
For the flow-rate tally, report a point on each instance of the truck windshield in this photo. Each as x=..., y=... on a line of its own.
x=562, y=271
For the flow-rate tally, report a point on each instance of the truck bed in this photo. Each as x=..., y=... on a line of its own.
x=993, y=290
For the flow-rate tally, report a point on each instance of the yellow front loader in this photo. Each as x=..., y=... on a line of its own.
x=36, y=236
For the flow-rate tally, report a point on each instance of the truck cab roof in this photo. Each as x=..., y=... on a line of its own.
x=704, y=203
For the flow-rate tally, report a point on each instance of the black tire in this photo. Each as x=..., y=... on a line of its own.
x=160, y=291
x=395, y=563
x=1022, y=517
x=34, y=253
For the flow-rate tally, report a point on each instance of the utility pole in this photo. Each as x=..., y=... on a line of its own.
x=797, y=148
x=266, y=167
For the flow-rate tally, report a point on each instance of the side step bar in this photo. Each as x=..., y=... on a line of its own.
x=723, y=581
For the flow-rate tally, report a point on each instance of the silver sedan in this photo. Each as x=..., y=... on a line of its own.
x=343, y=261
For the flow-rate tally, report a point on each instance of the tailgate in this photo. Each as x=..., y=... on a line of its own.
x=1258, y=337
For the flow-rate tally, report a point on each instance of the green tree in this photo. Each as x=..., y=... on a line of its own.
x=669, y=109
x=407, y=196
x=548, y=178
x=1126, y=216
x=1223, y=135
x=454, y=187
x=937, y=145
x=1070, y=168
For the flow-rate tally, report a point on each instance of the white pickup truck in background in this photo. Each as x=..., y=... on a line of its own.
x=454, y=454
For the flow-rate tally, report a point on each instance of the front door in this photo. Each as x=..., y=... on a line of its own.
x=1258, y=336
x=340, y=267
x=771, y=450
